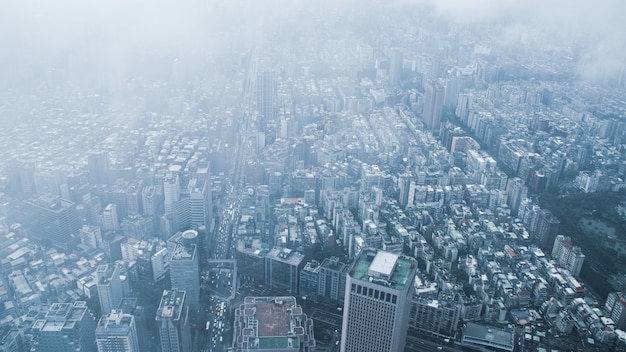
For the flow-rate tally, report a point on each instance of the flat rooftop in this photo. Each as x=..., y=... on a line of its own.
x=274, y=319
x=171, y=304
x=385, y=268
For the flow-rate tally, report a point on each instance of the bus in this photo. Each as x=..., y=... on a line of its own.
x=208, y=325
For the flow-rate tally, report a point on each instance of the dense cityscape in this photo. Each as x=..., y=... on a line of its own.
x=360, y=176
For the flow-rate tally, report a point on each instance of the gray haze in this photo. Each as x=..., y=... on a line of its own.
x=92, y=41
x=593, y=31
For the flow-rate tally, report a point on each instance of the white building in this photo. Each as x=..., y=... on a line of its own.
x=377, y=302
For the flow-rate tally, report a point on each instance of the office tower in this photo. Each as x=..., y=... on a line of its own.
x=200, y=208
x=109, y=218
x=116, y=332
x=51, y=220
x=128, y=305
x=149, y=200
x=185, y=266
x=331, y=286
x=567, y=255
x=433, y=105
x=377, y=303
x=66, y=327
x=173, y=322
x=282, y=269
x=110, y=286
x=395, y=66
x=133, y=198
x=265, y=91
x=272, y=324
x=98, y=167
x=171, y=192
x=160, y=264
x=90, y=236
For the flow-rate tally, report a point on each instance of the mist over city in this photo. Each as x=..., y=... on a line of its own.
x=297, y=175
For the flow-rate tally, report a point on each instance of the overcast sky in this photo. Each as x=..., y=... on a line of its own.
x=115, y=35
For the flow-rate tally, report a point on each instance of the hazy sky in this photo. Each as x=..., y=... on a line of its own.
x=109, y=37
x=596, y=27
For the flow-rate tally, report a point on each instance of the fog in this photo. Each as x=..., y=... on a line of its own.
x=95, y=42
x=592, y=30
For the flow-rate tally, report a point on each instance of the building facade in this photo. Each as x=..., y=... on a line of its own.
x=173, y=322
x=66, y=327
x=378, y=289
x=117, y=332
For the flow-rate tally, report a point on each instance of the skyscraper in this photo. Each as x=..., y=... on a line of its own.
x=395, y=66
x=98, y=167
x=173, y=322
x=110, y=287
x=265, y=91
x=109, y=218
x=66, y=327
x=433, y=105
x=116, y=332
x=171, y=192
x=200, y=208
x=377, y=302
x=184, y=265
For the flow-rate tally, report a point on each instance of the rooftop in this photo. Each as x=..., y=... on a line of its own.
x=384, y=268
x=171, y=304
x=271, y=323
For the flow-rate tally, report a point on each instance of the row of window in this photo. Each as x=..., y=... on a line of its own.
x=374, y=293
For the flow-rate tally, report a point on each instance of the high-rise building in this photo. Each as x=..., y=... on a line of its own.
x=395, y=66
x=116, y=332
x=378, y=289
x=272, y=324
x=332, y=280
x=110, y=286
x=185, y=266
x=52, y=221
x=282, y=269
x=98, y=167
x=66, y=327
x=309, y=276
x=90, y=236
x=149, y=200
x=516, y=190
x=173, y=322
x=200, y=208
x=435, y=315
x=567, y=255
x=433, y=105
x=545, y=227
x=109, y=218
x=265, y=91
x=160, y=264
x=171, y=192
